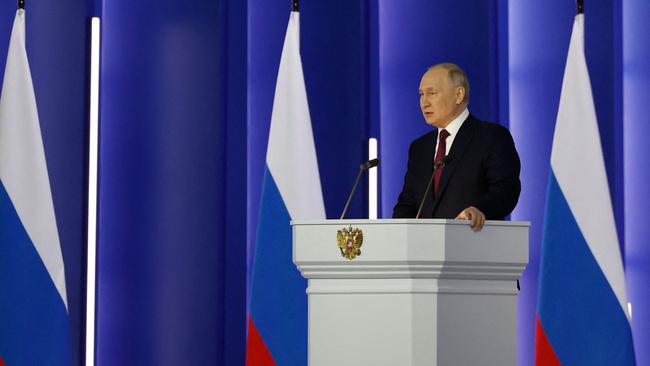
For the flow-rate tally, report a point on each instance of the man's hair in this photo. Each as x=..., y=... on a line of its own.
x=456, y=75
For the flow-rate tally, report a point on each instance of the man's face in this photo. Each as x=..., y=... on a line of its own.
x=440, y=101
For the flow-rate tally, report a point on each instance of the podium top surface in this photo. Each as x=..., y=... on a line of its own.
x=410, y=248
x=405, y=221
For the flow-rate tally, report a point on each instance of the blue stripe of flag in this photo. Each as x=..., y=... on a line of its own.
x=34, y=326
x=278, y=299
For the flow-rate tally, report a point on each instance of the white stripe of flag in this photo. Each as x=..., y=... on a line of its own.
x=291, y=154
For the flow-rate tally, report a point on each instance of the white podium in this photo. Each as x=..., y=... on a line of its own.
x=421, y=292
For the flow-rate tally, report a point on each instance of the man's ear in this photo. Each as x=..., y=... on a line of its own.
x=460, y=94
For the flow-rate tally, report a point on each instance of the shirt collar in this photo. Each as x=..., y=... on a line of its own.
x=454, y=125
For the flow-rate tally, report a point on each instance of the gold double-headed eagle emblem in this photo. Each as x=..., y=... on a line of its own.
x=349, y=241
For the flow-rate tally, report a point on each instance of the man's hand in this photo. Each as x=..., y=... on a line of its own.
x=475, y=215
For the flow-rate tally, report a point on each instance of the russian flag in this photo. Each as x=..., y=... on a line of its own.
x=582, y=307
x=291, y=190
x=34, y=326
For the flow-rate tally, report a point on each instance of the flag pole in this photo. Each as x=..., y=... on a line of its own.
x=580, y=4
x=21, y=4
x=294, y=7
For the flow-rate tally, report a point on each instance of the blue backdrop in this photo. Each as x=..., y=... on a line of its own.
x=186, y=97
x=636, y=168
x=171, y=256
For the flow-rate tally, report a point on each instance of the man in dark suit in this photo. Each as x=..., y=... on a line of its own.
x=480, y=179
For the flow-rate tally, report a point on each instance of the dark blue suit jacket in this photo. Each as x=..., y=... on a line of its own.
x=483, y=171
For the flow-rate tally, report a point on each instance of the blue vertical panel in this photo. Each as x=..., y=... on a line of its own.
x=539, y=35
x=413, y=35
x=503, y=62
x=57, y=42
x=57, y=34
x=334, y=57
x=235, y=250
x=94, y=7
x=636, y=71
x=374, y=85
x=603, y=52
x=538, y=48
x=7, y=13
x=160, y=285
x=267, y=23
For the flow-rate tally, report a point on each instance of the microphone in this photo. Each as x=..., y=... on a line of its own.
x=365, y=166
x=444, y=161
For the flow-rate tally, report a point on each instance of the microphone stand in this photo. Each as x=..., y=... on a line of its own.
x=365, y=166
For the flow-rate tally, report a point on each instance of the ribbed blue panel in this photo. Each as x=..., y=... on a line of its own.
x=636, y=72
x=165, y=168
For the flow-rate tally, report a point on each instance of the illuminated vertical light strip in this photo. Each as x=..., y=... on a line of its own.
x=372, y=180
x=629, y=309
x=92, y=191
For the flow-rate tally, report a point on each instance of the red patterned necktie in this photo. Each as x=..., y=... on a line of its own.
x=440, y=153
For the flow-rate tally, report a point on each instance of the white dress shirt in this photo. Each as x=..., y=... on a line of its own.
x=452, y=128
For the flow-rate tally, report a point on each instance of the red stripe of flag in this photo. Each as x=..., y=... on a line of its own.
x=256, y=352
x=544, y=354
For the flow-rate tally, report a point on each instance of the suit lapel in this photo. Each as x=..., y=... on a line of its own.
x=458, y=148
